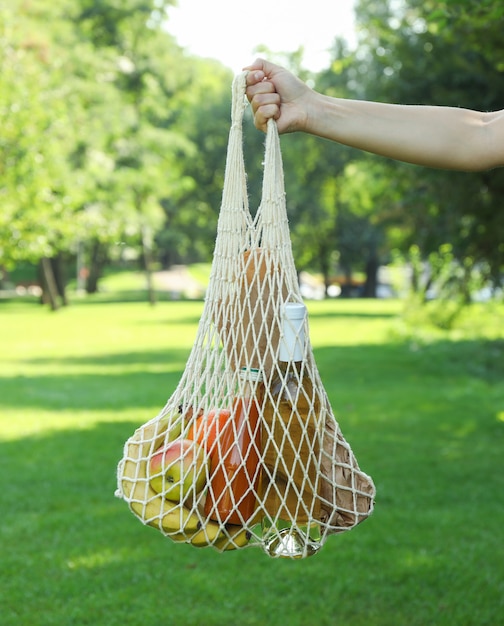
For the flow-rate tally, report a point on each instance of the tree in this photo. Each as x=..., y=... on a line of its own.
x=203, y=115
x=411, y=56
x=334, y=194
x=38, y=187
x=473, y=19
x=91, y=111
x=148, y=153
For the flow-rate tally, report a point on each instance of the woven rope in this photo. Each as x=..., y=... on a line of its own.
x=296, y=464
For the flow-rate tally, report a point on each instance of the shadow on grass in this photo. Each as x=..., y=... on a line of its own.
x=162, y=303
x=352, y=313
x=346, y=371
x=73, y=554
x=115, y=297
x=168, y=357
x=98, y=382
x=478, y=358
x=15, y=304
x=423, y=420
x=85, y=392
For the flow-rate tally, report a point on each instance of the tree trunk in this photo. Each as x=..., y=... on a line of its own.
x=81, y=269
x=147, y=257
x=58, y=268
x=371, y=282
x=49, y=288
x=325, y=268
x=96, y=263
x=466, y=285
x=346, y=287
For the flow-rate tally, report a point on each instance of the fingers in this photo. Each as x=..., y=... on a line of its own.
x=255, y=77
x=258, y=64
x=261, y=88
x=264, y=113
x=265, y=102
x=267, y=68
x=262, y=92
x=262, y=95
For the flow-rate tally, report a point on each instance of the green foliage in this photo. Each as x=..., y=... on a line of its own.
x=409, y=53
x=112, y=134
x=474, y=19
x=36, y=181
x=97, y=114
x=423, y=413
x=440, y=287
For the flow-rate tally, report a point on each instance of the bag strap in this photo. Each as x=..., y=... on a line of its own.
x=235, y=204
x=272, y=209
x=236, y=230
x=270, y=223
x=271, y=220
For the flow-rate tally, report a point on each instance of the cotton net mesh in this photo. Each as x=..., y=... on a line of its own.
x=247, y=451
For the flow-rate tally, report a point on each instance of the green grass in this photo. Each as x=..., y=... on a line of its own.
x=423, y=411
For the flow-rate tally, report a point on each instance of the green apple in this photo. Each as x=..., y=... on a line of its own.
x=177, y=469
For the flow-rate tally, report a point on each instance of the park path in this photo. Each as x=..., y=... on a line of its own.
x=179, y=282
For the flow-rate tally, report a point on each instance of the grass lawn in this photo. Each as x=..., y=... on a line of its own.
x=423, y=411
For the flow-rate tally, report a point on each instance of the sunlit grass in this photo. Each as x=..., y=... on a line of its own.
x=422, y=409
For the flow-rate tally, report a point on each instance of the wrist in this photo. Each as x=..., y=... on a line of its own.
x=323, y=114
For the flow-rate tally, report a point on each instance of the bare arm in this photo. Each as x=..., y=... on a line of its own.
x=441, y=137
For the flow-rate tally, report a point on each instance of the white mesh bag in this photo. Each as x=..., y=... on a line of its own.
x=247, y=451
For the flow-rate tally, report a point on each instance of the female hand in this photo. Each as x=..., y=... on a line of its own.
x=276, y=93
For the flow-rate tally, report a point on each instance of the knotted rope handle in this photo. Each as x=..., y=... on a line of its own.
x=249, y=251
x=272, y=208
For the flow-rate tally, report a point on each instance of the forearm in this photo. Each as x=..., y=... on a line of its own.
x=441, y=137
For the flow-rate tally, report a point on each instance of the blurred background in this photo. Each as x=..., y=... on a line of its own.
x=114, y=137
x=114, y=121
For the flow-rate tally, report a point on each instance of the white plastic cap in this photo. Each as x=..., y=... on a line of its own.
x=292, y=341
x=251, y=374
